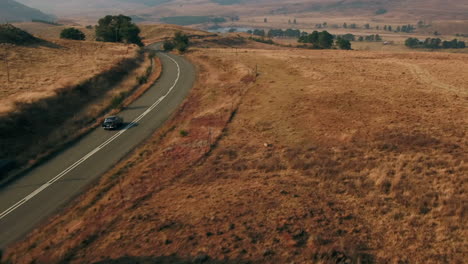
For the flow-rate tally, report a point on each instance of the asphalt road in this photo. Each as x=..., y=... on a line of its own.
x=28, y=201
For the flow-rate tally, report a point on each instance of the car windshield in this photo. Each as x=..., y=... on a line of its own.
x=110, y=119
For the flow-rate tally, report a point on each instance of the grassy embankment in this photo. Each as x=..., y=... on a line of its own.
x=54, y=91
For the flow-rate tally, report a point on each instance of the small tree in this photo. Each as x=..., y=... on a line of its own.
x=72, y=33
x=181, y=41
x=118, y=29
x=168, y=45
x=325, y=40
x=343, y=44
x=420, y=24
x=412, y=42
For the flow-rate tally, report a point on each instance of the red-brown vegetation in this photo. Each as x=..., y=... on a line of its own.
x=328, y=157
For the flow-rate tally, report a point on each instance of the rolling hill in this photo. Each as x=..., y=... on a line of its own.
x=154, y=10
x=12, y=11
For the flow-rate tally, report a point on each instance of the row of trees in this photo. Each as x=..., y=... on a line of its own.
x=293, y=33
x=351, y=37
x=323, y=40
x=109, y=29
x=405, y=28
x=257, y=32
x=435, y=43
x=373, y=37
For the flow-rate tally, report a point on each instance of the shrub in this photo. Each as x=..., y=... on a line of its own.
x=343, y=44
x=183, y=133
x=180, y=42
x=142, y=79
x=72, y=33
x=262, y=40
x=168, y=45
x=118, y=100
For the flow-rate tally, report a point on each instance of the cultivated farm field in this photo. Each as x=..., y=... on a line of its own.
x=288, y=155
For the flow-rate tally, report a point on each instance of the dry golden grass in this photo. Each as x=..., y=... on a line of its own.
x=329, y=156
x=157, y=33
x=48, y=31
x=39, y=71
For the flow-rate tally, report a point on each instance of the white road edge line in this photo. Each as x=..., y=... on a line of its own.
x=94, y=151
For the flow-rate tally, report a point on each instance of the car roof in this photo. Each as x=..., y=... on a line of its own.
x=111, y=117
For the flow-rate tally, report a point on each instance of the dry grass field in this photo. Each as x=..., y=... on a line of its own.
x=157, y=33
x=38, y=71
x=49, y=31
x=325, y=157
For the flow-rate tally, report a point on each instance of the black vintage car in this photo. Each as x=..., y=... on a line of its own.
x=112, y=122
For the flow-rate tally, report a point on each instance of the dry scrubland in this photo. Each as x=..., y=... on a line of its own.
x=152, y=34
x=39, y=71
x=328, y=157
x=62, y=89
x=49, y=31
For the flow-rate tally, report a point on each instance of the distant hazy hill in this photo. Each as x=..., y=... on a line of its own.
x=154, y=9
x=92, y=7
x=12, y=11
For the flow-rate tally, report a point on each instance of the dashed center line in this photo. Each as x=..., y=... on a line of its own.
x=94, y=151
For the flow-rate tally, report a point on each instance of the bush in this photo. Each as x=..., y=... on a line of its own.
x=168, y=45
x=118, y=100
x=181, y=47
x=183, y=133
x=142, y=79
x=180, y=42
x=72, y=33
x=262, y=40
x=343, y=44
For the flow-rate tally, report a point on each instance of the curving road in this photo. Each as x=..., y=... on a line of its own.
x=46, y=189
